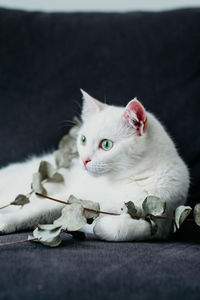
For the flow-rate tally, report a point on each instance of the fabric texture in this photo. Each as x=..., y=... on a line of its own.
x=95, y=269
x=44, y=60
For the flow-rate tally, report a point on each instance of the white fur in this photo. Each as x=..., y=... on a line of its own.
x=135, y=167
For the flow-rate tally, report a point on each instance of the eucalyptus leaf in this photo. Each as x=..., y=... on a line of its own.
x=72, y=217
x=46, y=170
x=196, y=213
x=74, y=132
x=36, y=185
x=47, y=235
x=67, y=148
x=153, y=206
x=63, y=158
x=68, y=143
x=132, y=211
x=57, y=177
x=75, y=129
x=20, y=200
x=47, y=226
x=174, y=227
x=181, y=213
x=87, y=204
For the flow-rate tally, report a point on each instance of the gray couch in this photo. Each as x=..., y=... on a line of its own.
x=44, y=60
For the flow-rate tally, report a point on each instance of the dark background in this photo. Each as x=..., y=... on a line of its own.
x=44, y=60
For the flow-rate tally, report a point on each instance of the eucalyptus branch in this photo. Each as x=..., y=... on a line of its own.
x=24, y=199
x=76, y=234
x=106, y=212
x=5, y=206
x=17, y=242
x=85, y=208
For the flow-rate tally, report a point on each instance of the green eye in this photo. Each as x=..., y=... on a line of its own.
x=83, y=140
x=106, y=145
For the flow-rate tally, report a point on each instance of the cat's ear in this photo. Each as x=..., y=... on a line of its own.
x=90, y=106
x=135, y=116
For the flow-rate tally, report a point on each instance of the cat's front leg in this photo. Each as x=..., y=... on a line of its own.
x=122, y=228
x=25, y=218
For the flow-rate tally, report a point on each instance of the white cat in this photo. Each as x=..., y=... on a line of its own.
x=124, y=154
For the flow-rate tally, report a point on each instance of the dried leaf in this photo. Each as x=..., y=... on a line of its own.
x=68, y=143
x=131, y=209
x=57, y=177
x=175, y=227
x=87, y=204
x=153, y=206
x=20, y=200
x=47, y=226
x=36, y=184
x=72, y=217
x=63, y=158
x=47, y=235
x=46, y=170
x=75, y=129
x=74, y=132
x=196, y=213
x=67, y=147
x=181, y=213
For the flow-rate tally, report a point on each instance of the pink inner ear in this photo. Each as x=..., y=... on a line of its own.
x=135, y=114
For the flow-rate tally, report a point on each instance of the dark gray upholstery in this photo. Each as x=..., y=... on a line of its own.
x=95, y=270
x=44, y=60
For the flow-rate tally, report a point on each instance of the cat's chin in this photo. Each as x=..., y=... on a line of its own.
x=96, y=173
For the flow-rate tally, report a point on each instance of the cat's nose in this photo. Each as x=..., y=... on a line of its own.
x=86, y=161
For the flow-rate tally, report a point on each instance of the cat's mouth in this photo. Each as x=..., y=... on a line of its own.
x=96, y=169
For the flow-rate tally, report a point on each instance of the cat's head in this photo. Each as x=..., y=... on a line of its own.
x=111, y=138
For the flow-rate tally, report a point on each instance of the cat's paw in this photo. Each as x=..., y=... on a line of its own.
x=111, y=228
x=122, y=228
x=5, y=225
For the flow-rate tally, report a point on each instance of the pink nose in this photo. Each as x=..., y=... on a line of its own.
x=86, y=161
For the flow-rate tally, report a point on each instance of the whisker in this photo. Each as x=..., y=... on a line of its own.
x=78, y=104
x=67, y=121
x=105, y=100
